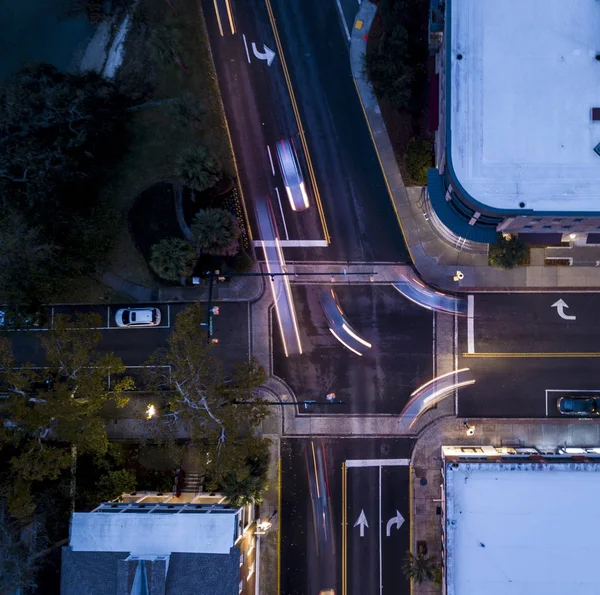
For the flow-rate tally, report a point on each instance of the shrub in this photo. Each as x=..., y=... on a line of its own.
x=418, y=568
x=216, y=231
x=172, y=258
x=198, y=169
x=508, y=252
x=418, y=160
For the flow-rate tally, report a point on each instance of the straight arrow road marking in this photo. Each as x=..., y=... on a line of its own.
x=361, y=522
x=397, y=520
x=560, y=306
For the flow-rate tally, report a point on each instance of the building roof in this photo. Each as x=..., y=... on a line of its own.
x=520, y=102
x=112, y=573
x=157, y=534
x=521, y=528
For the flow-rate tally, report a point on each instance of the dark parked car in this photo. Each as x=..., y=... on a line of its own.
x=580, y=405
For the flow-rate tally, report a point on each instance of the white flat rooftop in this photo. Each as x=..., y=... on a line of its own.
x=521, y=100
x=152, y=534
x=516, y=529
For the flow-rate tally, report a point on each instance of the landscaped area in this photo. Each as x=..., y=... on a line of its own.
x=397, y=65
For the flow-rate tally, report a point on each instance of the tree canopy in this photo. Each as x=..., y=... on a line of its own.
x=221, y=408
x=48, y=411
x=59, y=134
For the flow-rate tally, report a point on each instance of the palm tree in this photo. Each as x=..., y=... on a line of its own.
x=198, y=169
x=172, y=258
x=216, y=231
x=418, y=568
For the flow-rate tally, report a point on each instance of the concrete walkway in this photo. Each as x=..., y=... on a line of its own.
x=436, y=260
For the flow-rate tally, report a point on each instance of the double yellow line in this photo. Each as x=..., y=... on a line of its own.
x=299, y=122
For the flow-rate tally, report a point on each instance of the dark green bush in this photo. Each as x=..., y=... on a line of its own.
x=418, y=159
x=508, y=253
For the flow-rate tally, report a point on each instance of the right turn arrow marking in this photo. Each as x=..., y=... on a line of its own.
x=395, y=520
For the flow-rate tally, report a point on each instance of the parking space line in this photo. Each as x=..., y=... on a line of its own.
x=287, y=236
x=567, y=391
x=168, y=316
x=470, y=324
x=108, y=316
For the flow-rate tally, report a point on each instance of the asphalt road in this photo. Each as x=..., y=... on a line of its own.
x=524, y=355
x=400, y=359
x=260, y=110
x=307, y=565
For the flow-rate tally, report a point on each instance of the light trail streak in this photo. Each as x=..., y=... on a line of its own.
x=354, y=335
x=344, y=343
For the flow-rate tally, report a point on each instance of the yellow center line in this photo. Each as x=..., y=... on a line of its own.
x=218, y=17
x=299, y=122
x=541, y=354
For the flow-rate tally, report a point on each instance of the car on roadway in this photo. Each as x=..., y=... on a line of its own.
x=137, y=317
x=580, y=405
x=292, y=176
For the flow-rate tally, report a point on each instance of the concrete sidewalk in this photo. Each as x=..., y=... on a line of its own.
x=437, y=260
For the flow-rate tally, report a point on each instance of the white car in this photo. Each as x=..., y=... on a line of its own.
x=136, y=317
x=292, y=176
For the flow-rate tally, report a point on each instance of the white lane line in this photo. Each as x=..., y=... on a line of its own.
x=249, y=333
x=456, y=361
x=546, y=403
x=292, y=244
x=343, y=19
x=470, y=324
x=433, y=349
x=218, y=17
x=287, y=236
x=108, y=316
x=378, y=463
x=271, y=160
x=168, y=316
x=380, y=557
x=247, y=52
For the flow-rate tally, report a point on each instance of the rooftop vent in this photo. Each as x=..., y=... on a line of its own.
x=595, y=114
